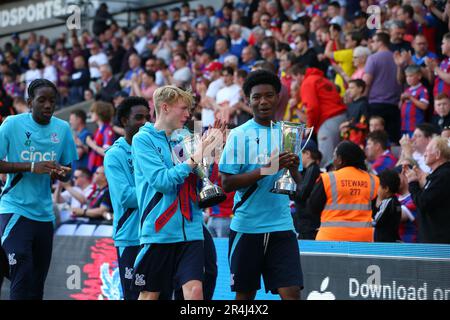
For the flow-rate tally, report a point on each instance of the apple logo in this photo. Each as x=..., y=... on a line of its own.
x=322, y=295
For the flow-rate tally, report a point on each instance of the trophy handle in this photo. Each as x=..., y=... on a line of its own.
x=309, y=137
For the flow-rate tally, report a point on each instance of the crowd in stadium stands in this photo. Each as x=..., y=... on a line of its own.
x=386, y=88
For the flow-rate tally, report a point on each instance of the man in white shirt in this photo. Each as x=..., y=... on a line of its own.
x=97, y=59
x=75, y=196
x=49, y=72
x=228, y=97
x=141, y=43
x=32, y=74
x=416, y=146
x=208, y=103
x=183, y=75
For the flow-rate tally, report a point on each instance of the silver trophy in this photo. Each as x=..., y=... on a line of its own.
x=210, y=194
x=292, y=135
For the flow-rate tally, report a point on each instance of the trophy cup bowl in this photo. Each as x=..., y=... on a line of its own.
x=210, y=194
x=292, y=135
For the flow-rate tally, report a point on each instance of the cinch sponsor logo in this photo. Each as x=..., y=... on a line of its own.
x=31, y=155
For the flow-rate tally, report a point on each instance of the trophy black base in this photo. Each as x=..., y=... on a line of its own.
x=211, y=200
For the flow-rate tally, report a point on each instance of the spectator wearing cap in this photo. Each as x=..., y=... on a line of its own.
x=360, y=24
x=118, y=98
x=382, y=88
x=307, y=224
x=248, y=58
x=442, y=110
x=107, y=86
x=79, y=80
x=208, y=102
x=377, y=152
x=431, y=198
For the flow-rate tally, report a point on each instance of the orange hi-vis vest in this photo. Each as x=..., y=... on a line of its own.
x=347, y=215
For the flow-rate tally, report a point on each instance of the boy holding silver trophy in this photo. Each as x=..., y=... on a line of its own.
x=262, y=238
x=171, y=232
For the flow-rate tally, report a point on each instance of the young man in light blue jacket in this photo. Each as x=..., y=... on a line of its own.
x=171, y=232
x=132, y=113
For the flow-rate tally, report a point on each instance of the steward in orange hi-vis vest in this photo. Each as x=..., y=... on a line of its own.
x=344, y=197
x=347, y=215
